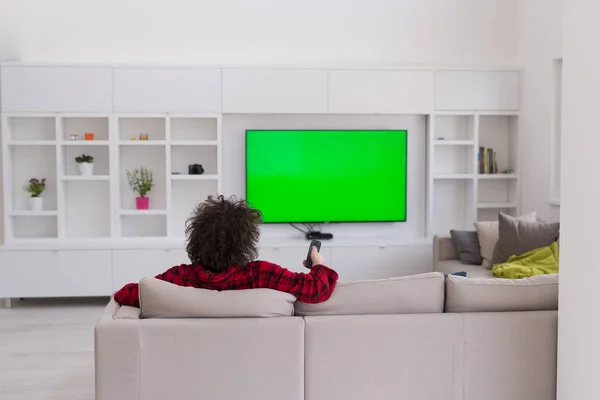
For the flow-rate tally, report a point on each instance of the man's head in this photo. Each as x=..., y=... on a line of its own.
x=221, y=233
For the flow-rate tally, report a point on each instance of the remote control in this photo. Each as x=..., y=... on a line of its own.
x=314, y=243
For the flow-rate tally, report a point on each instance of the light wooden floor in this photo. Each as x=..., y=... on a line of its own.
x=47, y=349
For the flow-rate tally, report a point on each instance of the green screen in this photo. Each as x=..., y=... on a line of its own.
x=327, y=175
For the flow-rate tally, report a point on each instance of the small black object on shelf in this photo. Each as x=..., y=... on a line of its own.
x=195, y=169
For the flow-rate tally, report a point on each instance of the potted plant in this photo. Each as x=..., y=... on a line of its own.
x=140, y=181
x=36, y=188
x=86, y=165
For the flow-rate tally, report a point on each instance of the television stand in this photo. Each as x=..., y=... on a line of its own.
x=315, y=235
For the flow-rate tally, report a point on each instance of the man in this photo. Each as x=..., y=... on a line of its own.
x=222, y=235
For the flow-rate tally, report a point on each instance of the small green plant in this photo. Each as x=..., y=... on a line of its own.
x=84, y=158
x=140, y=181
x=36, y=187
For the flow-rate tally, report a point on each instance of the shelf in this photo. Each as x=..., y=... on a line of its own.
x=182, y=177
x=32, y=143
x=496, y=205
x=194, y=143
x=458, y=113
x=27, y=213
x=143, y=212
x=454, y=176
x=85, y=142
x=454, y=142
x=143, y=142
x=498, y=176
x=86, y=178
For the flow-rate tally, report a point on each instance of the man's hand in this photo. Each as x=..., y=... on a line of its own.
x=316, y=257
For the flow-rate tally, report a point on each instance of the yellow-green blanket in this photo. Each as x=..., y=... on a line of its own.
x=536, y=262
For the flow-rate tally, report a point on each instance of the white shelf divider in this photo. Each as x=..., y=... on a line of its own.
x=499, y=206
x=84, y=142
x=142, y=142
x=143, y=212
x=168, y=168
x=60, y=186
x=85, y=178
x=182, y=177
x=194, y=143
x=455, y=143
x=27, y=213
x=453, y=176
x=32, y=142
x=497, y=176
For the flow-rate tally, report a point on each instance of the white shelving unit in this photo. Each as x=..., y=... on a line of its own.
x=102, y=206
x=454, y=180
x=89, y=239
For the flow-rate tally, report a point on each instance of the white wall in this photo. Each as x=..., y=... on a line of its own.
x=241, y=32
x=579, y=302
x=234, y=178
x=540, y=42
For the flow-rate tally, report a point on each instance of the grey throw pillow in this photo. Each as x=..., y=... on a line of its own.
x=466, y=244
x=517, y=237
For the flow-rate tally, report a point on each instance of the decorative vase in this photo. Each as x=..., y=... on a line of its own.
x=86, y=169
x=36, y=203
x=142, y=203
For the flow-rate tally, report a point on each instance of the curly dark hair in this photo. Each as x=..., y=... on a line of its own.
x=222, y=232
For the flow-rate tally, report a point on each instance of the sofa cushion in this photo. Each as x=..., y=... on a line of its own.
x=487, y=233
x=475, y=271
x=160, y=299
x=126, y=312
x=467, y=246
x=517, y=237
x=416, y=294
x=496, y=294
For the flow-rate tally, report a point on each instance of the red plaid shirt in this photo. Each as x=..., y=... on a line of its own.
x=314, y=287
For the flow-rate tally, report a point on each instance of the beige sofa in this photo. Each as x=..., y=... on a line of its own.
x=445, y=260
x=429, y=355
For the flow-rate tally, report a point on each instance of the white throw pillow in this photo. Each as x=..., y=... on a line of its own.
x=498, y=294
x=160, y=299
x=487, y=233
x=415, y=294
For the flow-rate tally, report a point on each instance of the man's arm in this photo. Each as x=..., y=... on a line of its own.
x=181, y=275
x=314, y=287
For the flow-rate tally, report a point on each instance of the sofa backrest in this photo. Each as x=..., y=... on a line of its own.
x=443, y=249
x=414, y=294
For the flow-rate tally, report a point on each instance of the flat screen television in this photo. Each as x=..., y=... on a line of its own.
x=314, y=176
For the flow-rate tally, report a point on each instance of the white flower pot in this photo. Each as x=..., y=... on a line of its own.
x=36, y=203
x=86, y=169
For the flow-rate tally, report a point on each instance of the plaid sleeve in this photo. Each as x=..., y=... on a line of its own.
x=182, y=275
x=314, y=287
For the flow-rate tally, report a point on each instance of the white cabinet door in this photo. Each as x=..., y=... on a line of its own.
x=380, y=92
x=271, y=91
x=177, y=257
x=372, y=262
x=133, y=265
x=291, y=257
x=477, y=90
x=178, y=90
x=53, y=89
x=55, y=273
x=85, y=272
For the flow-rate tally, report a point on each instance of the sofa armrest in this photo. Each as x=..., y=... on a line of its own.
x=443, y=249
x=117, y=355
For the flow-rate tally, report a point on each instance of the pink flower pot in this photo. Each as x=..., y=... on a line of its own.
x=142, y=203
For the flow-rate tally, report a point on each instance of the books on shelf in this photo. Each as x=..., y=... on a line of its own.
x=486, y=160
